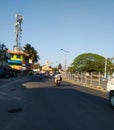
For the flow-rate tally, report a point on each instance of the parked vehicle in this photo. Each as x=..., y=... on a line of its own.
x=110, y=91
x=41, y=76
x=46, y=74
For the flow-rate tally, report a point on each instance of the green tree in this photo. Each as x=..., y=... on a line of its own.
x=110, y=65
x=3, y=53
x=37, y=66
x=88, y=62
x=33, y=54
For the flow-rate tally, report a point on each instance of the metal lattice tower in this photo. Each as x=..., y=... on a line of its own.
x=18, y=30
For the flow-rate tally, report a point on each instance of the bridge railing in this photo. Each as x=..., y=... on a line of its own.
x=94, y=80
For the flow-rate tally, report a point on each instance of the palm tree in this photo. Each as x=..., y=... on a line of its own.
x=33, y=54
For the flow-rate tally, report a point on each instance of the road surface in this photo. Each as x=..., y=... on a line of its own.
x=29, y=104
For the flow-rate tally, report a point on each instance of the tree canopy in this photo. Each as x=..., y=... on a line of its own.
x=88, y=62
x=33, y=54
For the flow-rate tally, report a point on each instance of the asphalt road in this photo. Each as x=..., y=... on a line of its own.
x=29, y=104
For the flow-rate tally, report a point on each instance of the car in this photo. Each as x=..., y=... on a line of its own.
x=110, y=91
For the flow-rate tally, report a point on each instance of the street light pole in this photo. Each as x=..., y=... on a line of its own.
x=105, y=75
x=65, y=51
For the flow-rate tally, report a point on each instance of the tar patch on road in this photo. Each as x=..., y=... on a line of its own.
x=13, y=89
x=14, y=110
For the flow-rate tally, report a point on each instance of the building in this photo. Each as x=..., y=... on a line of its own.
x=46, y=67
x=19, y=60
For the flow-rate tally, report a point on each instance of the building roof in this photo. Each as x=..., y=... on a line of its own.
x=17, y=52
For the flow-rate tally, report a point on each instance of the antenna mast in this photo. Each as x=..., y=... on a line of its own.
x=18, y=31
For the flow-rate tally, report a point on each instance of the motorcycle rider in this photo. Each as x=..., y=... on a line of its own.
x=58, y=77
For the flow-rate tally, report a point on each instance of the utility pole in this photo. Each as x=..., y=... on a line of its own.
x=105, y=74
x=65, y=51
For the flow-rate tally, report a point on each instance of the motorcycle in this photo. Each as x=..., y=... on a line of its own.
x=58, y=82
x=58, y=79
